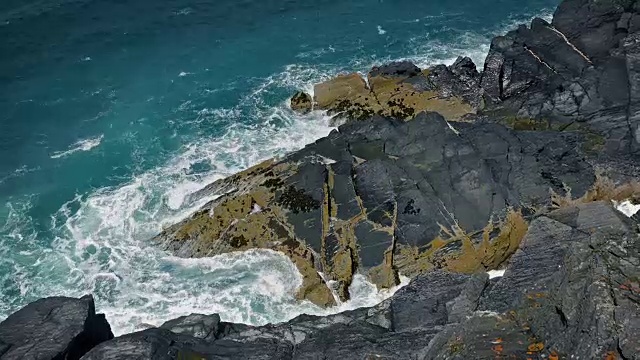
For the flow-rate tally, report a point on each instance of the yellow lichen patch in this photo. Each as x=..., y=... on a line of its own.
x=403, y=100
x=249, y=221
x=535, y=347
x=491, y=252
x=468, y=260
x=349, y=86
x=456, y=251
x=259, y=230
x=256, y=169
x=381, y=82
x=189, y=355
x=342, y=271
x=456, y=345
x=517, y=123
x=603, y=189
x=346, y=96
x=351, y=98
x=343, y=264
x=326, y=213
x=410, y=261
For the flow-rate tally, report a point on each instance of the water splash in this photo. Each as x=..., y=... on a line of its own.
x=80, y=145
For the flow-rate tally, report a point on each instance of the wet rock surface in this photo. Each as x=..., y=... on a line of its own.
x=301, y=102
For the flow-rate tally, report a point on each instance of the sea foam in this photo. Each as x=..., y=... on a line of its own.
x=80, y=145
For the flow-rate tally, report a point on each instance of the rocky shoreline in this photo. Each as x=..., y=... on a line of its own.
x=439, y=174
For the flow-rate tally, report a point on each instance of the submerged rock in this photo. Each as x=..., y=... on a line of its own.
x=53, y=328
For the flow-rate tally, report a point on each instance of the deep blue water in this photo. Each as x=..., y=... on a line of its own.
x=112, y=112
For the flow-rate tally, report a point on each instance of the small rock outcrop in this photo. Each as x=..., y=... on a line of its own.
x=53, y=328
x=383, y=195
x=301, y=102
x=399, y=90
x=208, y=327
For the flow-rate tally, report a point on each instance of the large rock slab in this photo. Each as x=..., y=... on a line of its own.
x=53, y=328
x=208, y=327
x=384, y=195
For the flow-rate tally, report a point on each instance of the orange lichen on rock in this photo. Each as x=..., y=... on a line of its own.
x=603, y=189
x=535, y=347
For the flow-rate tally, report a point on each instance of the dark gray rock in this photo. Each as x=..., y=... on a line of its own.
x=161, y=344
x=579, y=73
x=435, y=175
x=400, y=68
x=208, y=327
x=570, y=291
x=574, y=275
x=53, y=328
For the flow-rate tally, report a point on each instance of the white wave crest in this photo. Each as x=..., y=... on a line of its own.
x=80, y=145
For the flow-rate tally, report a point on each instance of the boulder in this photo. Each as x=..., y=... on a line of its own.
x=301, y=102
x=53, y=328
